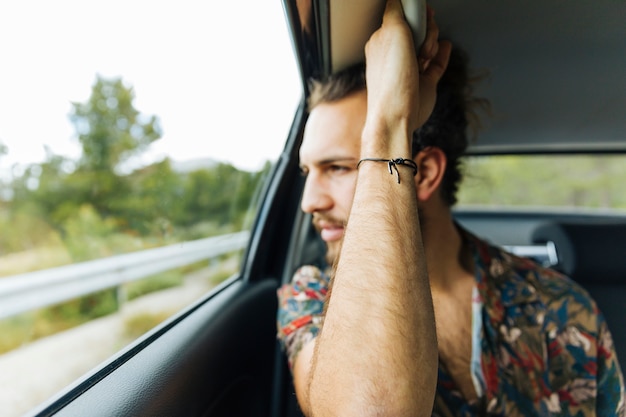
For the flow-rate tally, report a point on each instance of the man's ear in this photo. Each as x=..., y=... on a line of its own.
x=431, y=165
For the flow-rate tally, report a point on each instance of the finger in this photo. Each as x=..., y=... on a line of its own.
x=430, y=46
x=437, y=66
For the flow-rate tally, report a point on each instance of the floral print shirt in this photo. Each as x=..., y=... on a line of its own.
x=541, y=346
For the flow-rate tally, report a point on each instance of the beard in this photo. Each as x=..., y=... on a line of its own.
x=333, y=248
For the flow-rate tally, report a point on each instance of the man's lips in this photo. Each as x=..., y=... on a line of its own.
x=329, y=231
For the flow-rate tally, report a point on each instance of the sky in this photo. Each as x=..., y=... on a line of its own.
x=220, y=75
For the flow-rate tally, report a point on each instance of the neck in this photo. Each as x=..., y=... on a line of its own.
x=447, y=256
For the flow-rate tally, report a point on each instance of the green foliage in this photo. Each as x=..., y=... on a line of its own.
x=545, y=181
x=95, y=207
x=139, y=324
x=25, y=230
x=25, y=328
x=158, y=282
x=78, y=311
x=153, y=200
x=42, y=257
x=109, y=127
x=110, y=131
x=16, y=331
x=221, y=276
x=221, y=194
x=97, y=210
x=89, y=236
x=98, y=215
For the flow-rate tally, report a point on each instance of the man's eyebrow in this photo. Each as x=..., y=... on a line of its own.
x=335, y=159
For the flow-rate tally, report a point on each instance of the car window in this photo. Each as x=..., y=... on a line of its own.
x=589, y=183
x=134, y=141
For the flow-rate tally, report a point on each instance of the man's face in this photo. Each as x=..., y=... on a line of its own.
x=329, y=154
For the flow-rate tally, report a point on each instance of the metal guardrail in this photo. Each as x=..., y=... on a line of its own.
x=25, y=292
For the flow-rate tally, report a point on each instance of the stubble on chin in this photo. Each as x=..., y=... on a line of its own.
x=332, y=253
x=333, y=249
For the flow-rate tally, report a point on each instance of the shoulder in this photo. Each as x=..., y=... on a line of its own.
x=301, y=308
x=520, y=278
x=522, y=285
x=546, y=309
x=554, y=288
x=301, y=301
x=309, y=280
x=582, y=360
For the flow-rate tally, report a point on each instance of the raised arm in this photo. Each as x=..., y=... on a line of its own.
x=377, y=351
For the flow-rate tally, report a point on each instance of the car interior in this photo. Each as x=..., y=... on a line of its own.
x=556, y=83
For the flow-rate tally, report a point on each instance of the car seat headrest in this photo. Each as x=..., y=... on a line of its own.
x=590, y=252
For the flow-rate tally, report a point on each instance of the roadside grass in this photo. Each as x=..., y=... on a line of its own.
x=25, y=328
x=162, y=281
x=138, y=324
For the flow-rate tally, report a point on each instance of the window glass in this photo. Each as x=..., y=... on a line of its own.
x=561, y=182
x=134, y=139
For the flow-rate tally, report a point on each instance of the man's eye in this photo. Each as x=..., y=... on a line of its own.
x=304, y=172
x=337, y=168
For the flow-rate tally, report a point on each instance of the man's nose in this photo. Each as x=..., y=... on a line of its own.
x=315, y=196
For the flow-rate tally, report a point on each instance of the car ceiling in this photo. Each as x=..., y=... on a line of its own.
x=556, y=69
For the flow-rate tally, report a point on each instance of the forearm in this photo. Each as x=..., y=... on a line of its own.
x=377, y=352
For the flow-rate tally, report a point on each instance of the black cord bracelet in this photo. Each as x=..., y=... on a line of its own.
x=393, y=163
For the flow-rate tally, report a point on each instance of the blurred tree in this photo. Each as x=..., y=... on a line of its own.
x=221, y=194
x=45, y=189
x=109, y=127
x=154, y=201
x=111, y=131
x=4, y=195
x=98, y=205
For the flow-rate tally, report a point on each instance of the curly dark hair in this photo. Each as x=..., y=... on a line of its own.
x=447, y=128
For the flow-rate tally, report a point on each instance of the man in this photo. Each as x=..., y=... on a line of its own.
x=510, y=338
